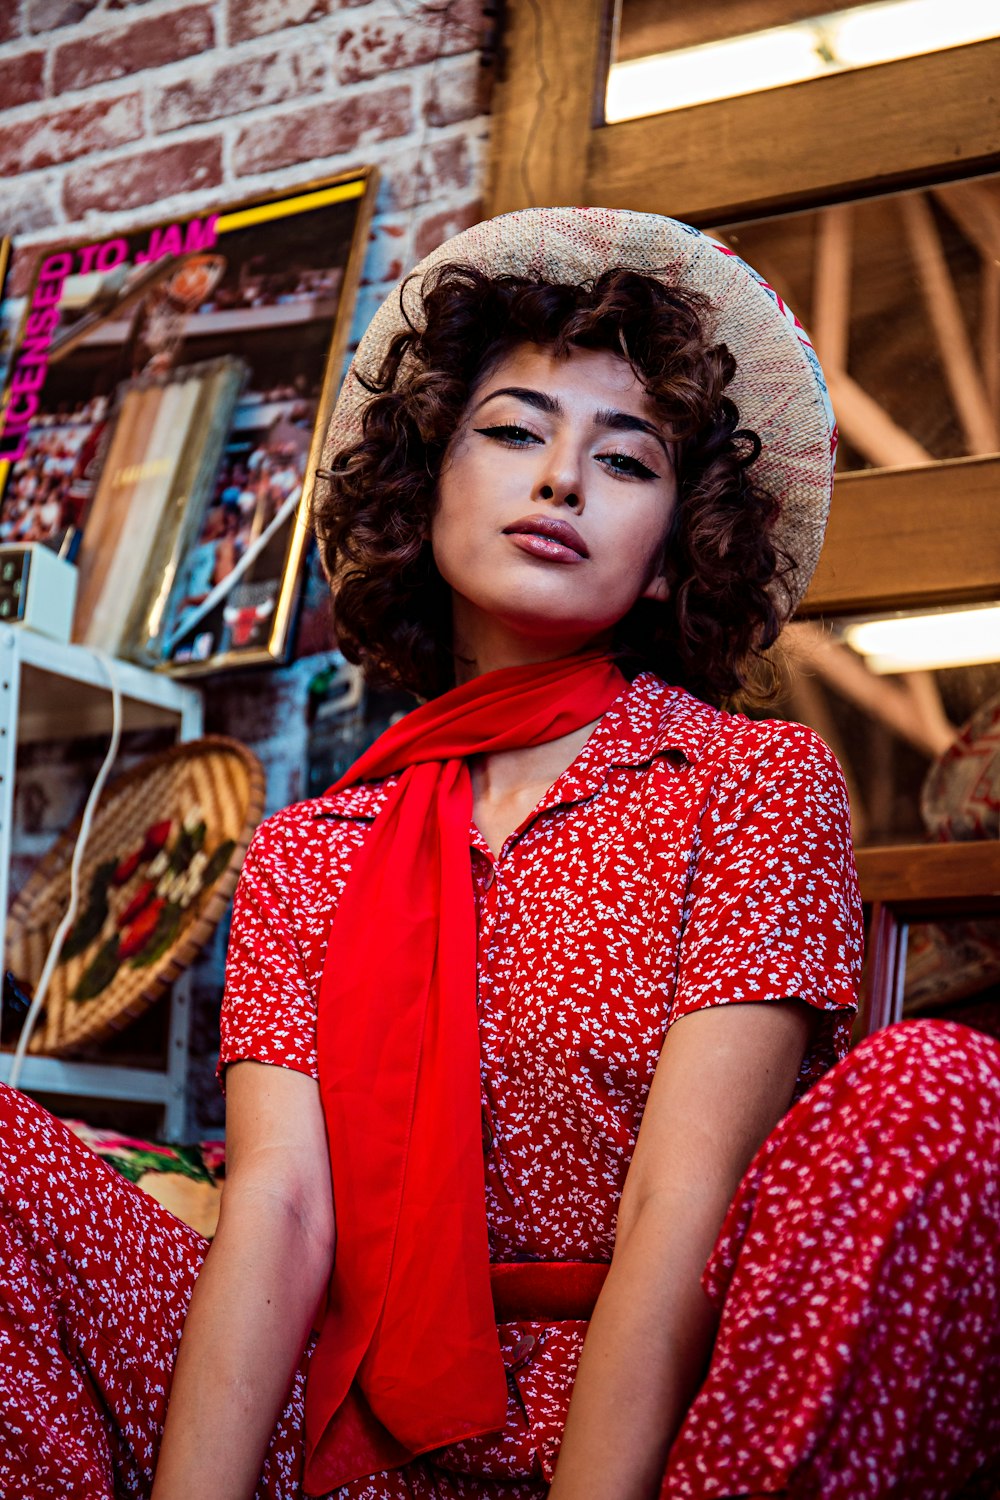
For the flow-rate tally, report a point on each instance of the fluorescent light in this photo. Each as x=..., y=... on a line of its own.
x=745, y=65
x=915, y=643
x=907, y=28
x=769, y=59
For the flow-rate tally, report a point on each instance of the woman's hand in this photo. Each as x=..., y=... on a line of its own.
x=258, y=1290
x=724, y=1078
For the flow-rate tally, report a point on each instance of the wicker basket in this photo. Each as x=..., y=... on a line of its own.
x=214, y=784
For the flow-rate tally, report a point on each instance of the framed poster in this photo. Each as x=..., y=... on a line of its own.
x=195, y=361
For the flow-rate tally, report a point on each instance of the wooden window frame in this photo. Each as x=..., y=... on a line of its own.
x=908, y=123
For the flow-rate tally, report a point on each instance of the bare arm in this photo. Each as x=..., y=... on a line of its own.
x=723, y=1080
x=254, y=1300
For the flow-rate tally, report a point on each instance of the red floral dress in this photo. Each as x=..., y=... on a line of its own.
x=686, y=858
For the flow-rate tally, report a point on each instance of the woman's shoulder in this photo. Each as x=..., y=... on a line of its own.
x=719, y=738
x=314, y=832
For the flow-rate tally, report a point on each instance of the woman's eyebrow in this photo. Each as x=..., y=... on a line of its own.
x=624, y=421
x=538, y=399
x=610, y=418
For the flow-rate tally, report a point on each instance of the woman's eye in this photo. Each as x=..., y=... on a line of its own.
x=624, y=463
x=510, y=433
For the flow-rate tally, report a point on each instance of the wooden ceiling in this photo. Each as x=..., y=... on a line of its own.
x=902, y=297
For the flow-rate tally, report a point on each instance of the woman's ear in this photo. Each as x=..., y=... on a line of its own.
x=658, y=588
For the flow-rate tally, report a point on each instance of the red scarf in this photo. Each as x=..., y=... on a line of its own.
x=408, y=1357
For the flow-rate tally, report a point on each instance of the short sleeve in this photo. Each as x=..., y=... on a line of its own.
x=268, y=1007
x=773, y=910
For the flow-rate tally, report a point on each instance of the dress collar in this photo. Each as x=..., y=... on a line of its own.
x=648, y=719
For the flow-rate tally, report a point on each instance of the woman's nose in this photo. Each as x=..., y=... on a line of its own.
x=562, y=496
x=560, y=482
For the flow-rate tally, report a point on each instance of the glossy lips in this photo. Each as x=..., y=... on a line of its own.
x=553, y=530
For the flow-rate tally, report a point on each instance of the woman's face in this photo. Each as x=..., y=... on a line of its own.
x=554, y=502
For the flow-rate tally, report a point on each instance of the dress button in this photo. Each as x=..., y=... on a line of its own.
x=487, y=1134
x=519, y=1354
x=489, y=875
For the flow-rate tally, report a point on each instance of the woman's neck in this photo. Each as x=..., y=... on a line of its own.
x=506, y=786
x=486, y=645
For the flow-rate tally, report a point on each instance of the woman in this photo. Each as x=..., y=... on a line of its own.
x=542, y=514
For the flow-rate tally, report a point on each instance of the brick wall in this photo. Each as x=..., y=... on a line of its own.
x=117, y=111
x=112, y=111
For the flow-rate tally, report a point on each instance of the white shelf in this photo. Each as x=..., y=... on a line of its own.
x=65, y=691
x=55, y=1075
x=53, y=691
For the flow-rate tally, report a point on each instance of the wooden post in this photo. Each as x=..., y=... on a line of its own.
x=885, y=971
x=549, y=96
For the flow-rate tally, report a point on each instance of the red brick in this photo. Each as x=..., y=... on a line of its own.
x=55, y=138
x=10, y=22
x=47, y=15
x=146, y=177
x=124, y=50
x=21, y=79
x=434, y=230
x=324, y=130
x=25, y=257
x=457, y=91
x=240, y=85
x=426, y=171
x=249, y=18
x=26, y=204
x=379, y=45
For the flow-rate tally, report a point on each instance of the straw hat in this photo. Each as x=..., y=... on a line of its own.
x=778, y=387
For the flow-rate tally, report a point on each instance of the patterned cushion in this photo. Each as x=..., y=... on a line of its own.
x=186, y=1180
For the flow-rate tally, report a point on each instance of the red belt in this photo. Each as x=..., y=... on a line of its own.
x=546, y=1291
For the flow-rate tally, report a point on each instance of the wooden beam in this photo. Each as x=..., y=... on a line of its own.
x=989, y=332
x=907, y=538
x=892, y=703
x=945, y=314
x=845, y=135
x=976, y=211
x=651, y=26
x=932, y=880
x=549, y=90
x=831, y=319
x=868, y=427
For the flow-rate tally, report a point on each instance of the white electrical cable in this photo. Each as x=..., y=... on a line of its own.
x=189, y=620
x=55, y=947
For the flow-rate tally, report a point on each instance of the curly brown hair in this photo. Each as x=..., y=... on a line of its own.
x=372, y=510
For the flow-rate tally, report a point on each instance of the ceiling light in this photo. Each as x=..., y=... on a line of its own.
x=747, y=64
x=859, y=37
x=915, y=643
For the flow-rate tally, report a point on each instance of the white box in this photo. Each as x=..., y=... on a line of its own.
x=37, y=589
